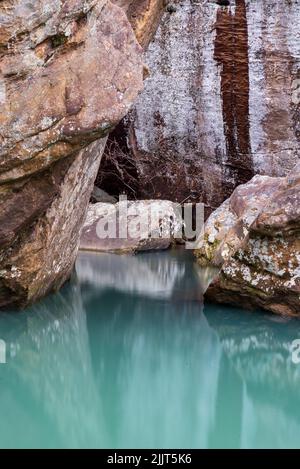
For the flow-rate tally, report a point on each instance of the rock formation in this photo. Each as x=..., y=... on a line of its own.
x=69, y=72
x=48, y=357
x=118, y=171
x=129, y=227
x=159, y=277
x=262, y=264
x=229, y=225
x=221, y=103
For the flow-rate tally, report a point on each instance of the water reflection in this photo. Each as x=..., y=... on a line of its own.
x=125, y=356
x=159, y=275
x=47, y=386
x=258, y=346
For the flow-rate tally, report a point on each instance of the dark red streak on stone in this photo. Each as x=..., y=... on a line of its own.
x=231, y=53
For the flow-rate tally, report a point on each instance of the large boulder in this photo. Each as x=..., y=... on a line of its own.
x=228, y=226
x=221, y=103
x=264, y=268
x=129, y=227
x=51, y=107
x=69, y=72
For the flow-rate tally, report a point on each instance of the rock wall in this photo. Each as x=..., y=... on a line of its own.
x=222, y=100
x=69, y=72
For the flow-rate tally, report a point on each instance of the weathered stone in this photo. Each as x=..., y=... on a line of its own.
x=42, y=256
x=264, y=271
x=50, y=106
x=221, y=103
x=228, y=226
x=144, y=16
x=118, y=172
x=69, y=71
x=142, y=226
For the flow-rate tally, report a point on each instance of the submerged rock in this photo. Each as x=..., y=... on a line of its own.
x=264, y=268
x=128, y=227
x=69, y=72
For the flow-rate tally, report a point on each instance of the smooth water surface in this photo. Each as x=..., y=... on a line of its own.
x=126, y=356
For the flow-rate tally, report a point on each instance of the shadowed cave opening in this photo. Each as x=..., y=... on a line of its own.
x=118, y=173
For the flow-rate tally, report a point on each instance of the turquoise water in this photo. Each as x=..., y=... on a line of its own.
x=127, y=356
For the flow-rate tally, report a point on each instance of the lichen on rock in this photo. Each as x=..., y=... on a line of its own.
x=263, y=269
x=229, y=224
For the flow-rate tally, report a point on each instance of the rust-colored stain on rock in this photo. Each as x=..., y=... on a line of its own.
x=231, y=52
x=220, y=104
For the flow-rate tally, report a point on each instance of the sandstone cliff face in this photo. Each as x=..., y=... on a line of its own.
x=222, y=100
x=69, y=71
x=263, y=269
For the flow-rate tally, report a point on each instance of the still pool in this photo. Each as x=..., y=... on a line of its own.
x=127, y=356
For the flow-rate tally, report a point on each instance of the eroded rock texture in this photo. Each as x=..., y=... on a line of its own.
x=228, y=226
x=264, y=268
x=144, y=16
x=143, y=225
x=118, y=172
x=69, y=71
x=222, y=100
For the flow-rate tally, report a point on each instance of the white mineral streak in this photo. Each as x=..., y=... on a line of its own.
x=179, y=61
x=210, y=112
x=182, y=100
x=274, y=35
x=172, y=60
